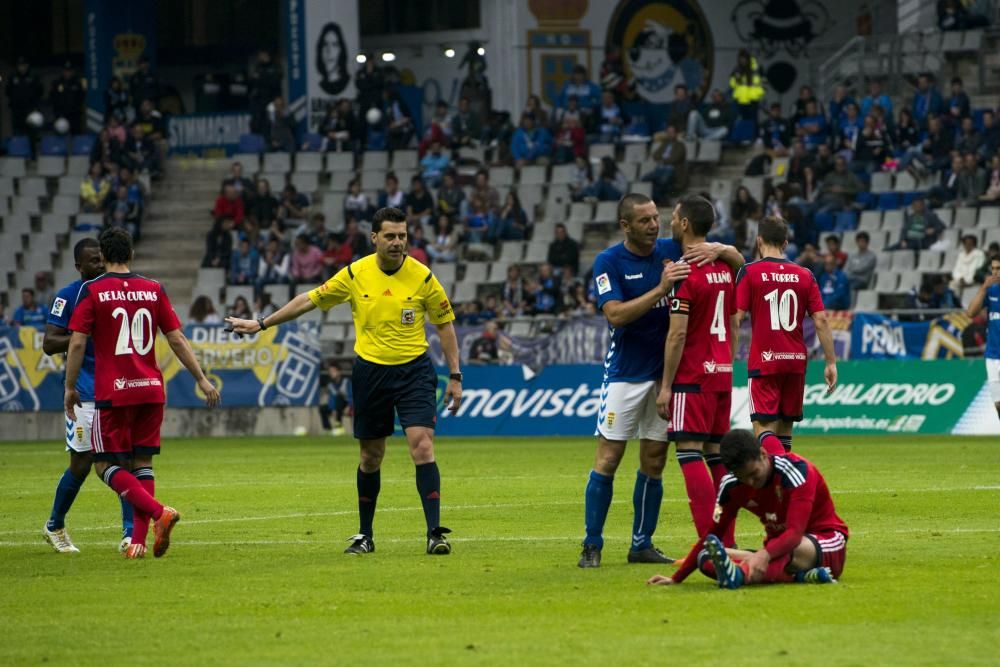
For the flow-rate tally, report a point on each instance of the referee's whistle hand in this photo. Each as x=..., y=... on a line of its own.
x=243, y=326
x=453, y=395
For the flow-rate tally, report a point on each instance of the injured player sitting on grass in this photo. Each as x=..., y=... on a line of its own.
x=806, y=541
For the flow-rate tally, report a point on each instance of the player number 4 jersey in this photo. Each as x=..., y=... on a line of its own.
x=706, y=297
x=122, y=312
x=778, y=294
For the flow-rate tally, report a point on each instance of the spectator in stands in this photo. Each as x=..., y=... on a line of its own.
x=265, y=85
x=307, y=261
x=775, y=133
x=833, y=285
x=680, y=108
x=444, y=247
x=806, y=95
x=838, y=105
x=946, y=191
x=264, y=207
x=812, y=127
x=419, y=205
x=359, y=242
x=570, y=141
x=477, y=223
x=451, y=197
x=969, y=260
x=833, y=248
x=713, y=120
x=670, y=156
x=263, y=306
x=991, y=135
x=336, y=255
x=545, y=292
x=513, y=292
x=244, y=186
x=143, y=85
x=94, y=190
x=860, y=267
x=340, y=129
x=392, y=195
x=241, y=309
x=992, y=194
x=66, y=97
x=121, y=212
x=798, y=160
x=356, y=202
x=839, y=187
x=243, y=264
x=587, y=92
x=936, y=148
x=530, y=144
x=399, y=119
x=486, y=349
x=438, y=129
x=434, y=163
x=560, y=114
x=958, y=103
x=202, y=311
x=219, y=244
x=115, y=100
x=610, y=184
x=848, y=127
x=293, y=209
x=809, y=259
x=4, y=321
x=106, y=149
x=466, y=125
x=612, y=74
x=942, y=297
x=744, y=212
x=871, y=148
x=921, y=227
x=927, y=100
x=745, y=83
x=151, y=121
x=467, y=314
x=581, y=177
x=139, y=152
x=229, y=205
x=564, y=251
x=490, y=309
x=610, y=118
x=279, y=128
x=534, y=107
x=481, y=186
x=44, y=288
x=511, y=224
x=992, y=253
x=24, y=95
x=876, y=97
x=370, y=82
x=274, y=265
x=971, y=182
x=969, y=139
x=315, y=230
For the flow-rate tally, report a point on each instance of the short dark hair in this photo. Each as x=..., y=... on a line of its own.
x=116, y=245
x=862, y=235
x=956, y=79
x=773, y=230
x=29, y=290
x=78, y=249
x=739, y=447
x=699, y=212
x=386, y=214
x=833, y=237
x=627, y=204
x=975, y=239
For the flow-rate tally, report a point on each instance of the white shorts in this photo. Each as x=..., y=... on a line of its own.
x=993, y=378
x=78, y=432
x=628, y=411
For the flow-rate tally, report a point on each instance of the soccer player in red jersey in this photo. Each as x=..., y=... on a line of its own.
x=778, y=294
x=697, y=383
x=122, y=311
x=806, y=541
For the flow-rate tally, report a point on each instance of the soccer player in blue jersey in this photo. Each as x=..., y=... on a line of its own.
x=988, y=297
x=632, y=280
x=90, y=264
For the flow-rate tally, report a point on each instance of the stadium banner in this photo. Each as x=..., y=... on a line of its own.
x=116, y=35
x=872, y=397
x=879, y=337
x=279, y=367
x=321, y=41
x=203, y=134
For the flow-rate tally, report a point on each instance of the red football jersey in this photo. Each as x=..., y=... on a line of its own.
x=795, y=501
x=706, y=297
x=122, y=312
x=777, y=294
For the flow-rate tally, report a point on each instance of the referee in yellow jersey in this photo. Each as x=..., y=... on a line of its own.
x=390, y=295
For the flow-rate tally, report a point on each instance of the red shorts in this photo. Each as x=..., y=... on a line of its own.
x=701, y=416
x=777, y=397
x=832, y=546
x=123, y=432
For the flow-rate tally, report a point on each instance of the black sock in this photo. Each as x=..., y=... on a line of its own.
x=429, y=488
x=786, y=442
x=369, y=484
x=713, y=460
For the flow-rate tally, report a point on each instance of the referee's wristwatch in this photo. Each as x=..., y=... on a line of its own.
x=260, y=323
x=457, y=377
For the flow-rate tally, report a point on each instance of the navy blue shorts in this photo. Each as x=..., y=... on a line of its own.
x=409, y=390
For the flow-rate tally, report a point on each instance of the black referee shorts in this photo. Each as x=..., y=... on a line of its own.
x=409, y=390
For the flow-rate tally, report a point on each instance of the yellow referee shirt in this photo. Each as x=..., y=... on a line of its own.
x=388, y=309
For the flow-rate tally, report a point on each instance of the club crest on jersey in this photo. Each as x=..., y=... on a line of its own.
x=79, y=434
x=603, y=283
x=409, y=316
x=57, y=306
x=767, y=355
x=611, y=419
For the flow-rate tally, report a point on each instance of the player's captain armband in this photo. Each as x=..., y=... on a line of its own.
x=679, y=305
x=57, y=306
x=603, y=283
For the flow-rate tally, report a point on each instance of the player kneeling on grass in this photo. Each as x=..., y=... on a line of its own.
x=806, y=541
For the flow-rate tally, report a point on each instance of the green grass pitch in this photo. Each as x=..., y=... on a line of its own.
x=256, y=573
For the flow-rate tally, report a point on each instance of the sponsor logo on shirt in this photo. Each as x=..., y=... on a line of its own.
x=713, y=367
x=603, y=283
x=57, y=306
x=770, y=355
x=125, y=383
x=633, y=276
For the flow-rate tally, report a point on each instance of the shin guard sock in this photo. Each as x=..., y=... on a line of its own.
x=128, y=487
x=140, y=520
x=646, y=499
x=429, y=488
x=597, y=501
x=786, y=442
x=771, y=443
x=719, y=471
x=369, y=484
x=700, y=490
x=66, y=492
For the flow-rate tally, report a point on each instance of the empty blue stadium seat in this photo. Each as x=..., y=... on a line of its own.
x=19, y=146
x=824, y=221
x=888, y=201
x=82, y=144
x=908, y=197
x=312, y=141
x=977, y=117
x=53, y=145
x=866, y=199
x=251, y=143
x=846, y=221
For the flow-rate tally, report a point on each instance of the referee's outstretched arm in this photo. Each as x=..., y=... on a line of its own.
x=295, y=308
